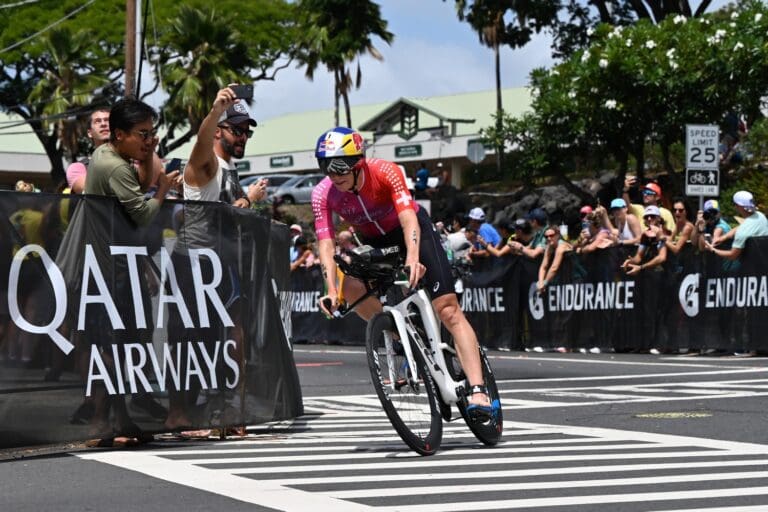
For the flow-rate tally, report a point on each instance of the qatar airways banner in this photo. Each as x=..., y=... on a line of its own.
x=107, y=328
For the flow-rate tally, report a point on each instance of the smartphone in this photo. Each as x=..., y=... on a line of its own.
x=243, y=92
x=708, y=238
x=173, y=165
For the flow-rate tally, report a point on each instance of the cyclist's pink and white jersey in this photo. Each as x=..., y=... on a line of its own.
x=373, y=210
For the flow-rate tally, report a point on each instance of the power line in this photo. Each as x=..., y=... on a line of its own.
x=24, y=2
x=19, y=43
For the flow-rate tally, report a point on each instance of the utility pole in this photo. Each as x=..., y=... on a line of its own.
x=130, y=47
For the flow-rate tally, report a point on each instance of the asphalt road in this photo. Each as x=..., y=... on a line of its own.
x=601, y=432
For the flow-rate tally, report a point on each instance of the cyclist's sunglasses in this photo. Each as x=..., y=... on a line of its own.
x=341, y=165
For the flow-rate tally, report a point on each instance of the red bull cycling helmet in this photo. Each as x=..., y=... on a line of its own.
x=339, y=150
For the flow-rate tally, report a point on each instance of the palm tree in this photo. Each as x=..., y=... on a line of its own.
x=336, y=32
x=487, y=18
x=71, y=80
x=201, y=53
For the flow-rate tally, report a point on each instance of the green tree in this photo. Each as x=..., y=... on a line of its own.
x=201, y=49
x=44, y=56
x=489, y=18
x=48, y=76
x=336, y=33
x=637, y=86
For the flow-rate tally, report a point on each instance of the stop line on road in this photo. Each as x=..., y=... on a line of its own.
x=353, y=461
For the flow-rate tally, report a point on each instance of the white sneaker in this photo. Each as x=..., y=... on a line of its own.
x=583, y=350
x=654, y=351
x=538, y=349
x=595, y=350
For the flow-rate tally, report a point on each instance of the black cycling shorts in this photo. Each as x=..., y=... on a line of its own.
x=438, y=279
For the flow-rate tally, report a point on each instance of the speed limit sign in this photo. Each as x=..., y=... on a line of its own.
x=701, y=146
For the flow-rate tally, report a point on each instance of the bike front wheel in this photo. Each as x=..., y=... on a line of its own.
x=409, y=398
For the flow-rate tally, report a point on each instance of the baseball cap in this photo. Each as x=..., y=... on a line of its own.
x=237, y=114
x=618, y=203
x=711, y=204
x=585, y=210
x=296, y=227
x=744, y=199
x=652, y=210
x=653, y=187
x=477, y=214
x=538, y=215
x=522, y=224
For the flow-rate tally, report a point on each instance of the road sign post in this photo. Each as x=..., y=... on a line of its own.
x=702, y=161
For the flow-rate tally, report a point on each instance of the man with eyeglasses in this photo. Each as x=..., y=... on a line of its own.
x=371, y=195
x=210, y=174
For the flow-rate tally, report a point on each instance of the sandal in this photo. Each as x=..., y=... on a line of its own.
x=478, y=412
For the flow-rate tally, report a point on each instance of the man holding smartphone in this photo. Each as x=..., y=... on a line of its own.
x=210, y=174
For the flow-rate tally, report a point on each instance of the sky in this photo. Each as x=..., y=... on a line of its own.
x=433, y=54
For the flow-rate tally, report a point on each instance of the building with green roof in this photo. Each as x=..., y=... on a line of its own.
x=438, y=130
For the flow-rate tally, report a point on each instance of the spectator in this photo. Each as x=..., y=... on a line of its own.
x=421, y=179
x=651, y=197
x=306, y=256
x=444, y=175
x=709, y=222
x=522, y=234
x=553, y=257
x=132, y=137
x=98, y=132
x=755, y=224
x=683, y=228
x=484, y=230
x=345, y=241
x=584, y=211
x=296, y=232
x=24, y=186
x=537, y=219
x=652, y=251
x=625, y=227
x=596, y=233
x=210, y=174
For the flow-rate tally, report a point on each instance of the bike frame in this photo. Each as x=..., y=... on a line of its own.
x=432, y=348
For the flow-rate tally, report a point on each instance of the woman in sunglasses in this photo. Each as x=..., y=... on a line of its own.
x=683, y=228
x=371, y=195
x=553, y=257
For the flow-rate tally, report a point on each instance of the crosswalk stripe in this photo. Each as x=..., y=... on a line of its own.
x=570, y=484
x=579, y=500
x=443, y=453
x=487, y=475
x=409, y=459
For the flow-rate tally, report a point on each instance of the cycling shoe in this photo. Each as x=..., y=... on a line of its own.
x=481, y=413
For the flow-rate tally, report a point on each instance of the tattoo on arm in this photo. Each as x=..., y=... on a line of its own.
x=413, y=237
x=325, y=272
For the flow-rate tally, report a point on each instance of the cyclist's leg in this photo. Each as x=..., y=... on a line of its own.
x=465, y=340
x=352, y=289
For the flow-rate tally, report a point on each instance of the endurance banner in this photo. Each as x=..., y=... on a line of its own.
x=107, y=328
x=694, y=301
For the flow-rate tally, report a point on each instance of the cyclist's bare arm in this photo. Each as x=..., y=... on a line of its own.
x=326, y=249
x=412, y=235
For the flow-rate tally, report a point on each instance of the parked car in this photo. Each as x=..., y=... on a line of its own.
x=273, y=181
x=298, y=189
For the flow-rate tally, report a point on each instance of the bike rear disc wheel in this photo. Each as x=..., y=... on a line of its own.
x=410, y=404
x=488, y=432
